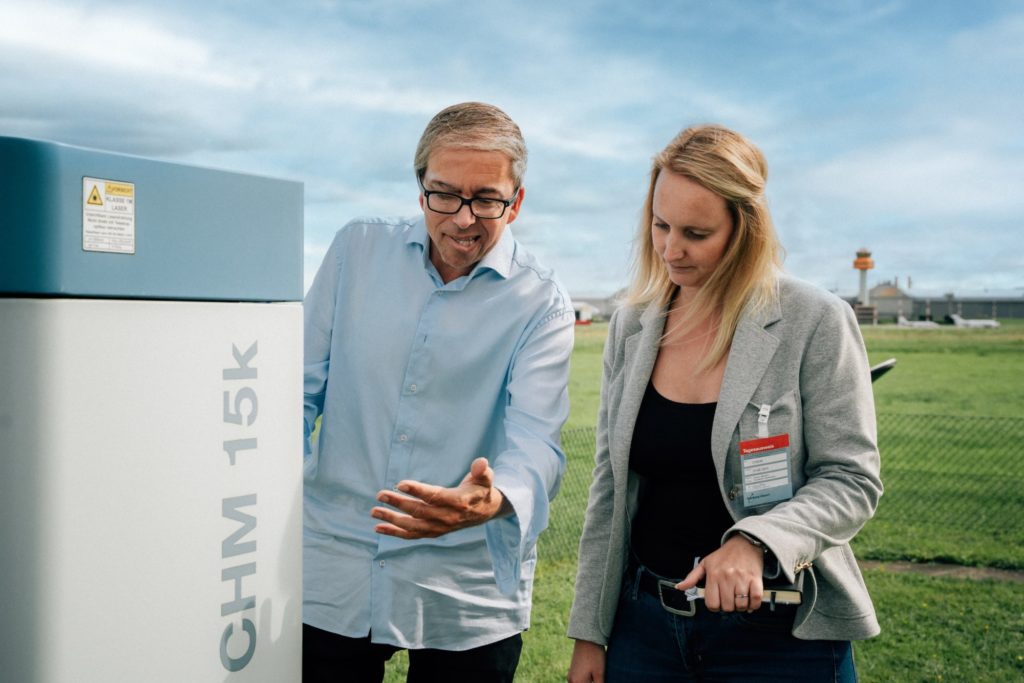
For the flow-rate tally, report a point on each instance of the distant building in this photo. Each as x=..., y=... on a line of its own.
x=866, y=312
x=597, y=307
x=891, y=301
x=888, y=302
x=584, y=312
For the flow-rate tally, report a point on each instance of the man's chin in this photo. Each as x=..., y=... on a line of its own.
x=462, y=260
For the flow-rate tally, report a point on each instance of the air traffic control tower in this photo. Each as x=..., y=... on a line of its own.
x=150, y=420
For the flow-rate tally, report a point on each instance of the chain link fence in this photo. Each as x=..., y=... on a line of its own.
x=954, y=492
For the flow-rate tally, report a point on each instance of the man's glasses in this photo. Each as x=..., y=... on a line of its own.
x=481, y=207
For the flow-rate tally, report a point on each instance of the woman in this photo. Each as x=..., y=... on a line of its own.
x=716, y=351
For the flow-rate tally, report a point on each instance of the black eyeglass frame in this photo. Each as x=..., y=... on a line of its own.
x=469, y=202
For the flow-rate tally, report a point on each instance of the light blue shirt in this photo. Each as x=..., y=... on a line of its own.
x=415, y=379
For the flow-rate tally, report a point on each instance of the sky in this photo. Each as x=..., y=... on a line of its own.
x=892, y=125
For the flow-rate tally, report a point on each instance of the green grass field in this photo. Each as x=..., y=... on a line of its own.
x=950, y=371
x=951, y=425
x=585, y=375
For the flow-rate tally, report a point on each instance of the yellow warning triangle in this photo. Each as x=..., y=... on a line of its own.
x=94, y=197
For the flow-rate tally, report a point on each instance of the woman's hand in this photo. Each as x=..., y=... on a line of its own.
x=587, y=663
x=732, y=576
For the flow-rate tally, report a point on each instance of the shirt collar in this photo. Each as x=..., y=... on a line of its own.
x=498, y=259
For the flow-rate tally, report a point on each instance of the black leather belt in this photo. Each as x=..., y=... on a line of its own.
x=671, y=600
x=648, y=582
x=675, y=601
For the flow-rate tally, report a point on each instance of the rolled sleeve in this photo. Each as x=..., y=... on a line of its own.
x=529, y=472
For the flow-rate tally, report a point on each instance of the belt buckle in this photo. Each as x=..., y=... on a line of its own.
x=675, y=598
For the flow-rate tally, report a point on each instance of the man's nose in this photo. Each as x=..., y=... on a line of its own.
x=464, y=218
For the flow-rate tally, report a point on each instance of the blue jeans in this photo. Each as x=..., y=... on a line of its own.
x=652, y=645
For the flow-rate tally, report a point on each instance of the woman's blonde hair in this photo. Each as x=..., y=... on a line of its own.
x=729, y=165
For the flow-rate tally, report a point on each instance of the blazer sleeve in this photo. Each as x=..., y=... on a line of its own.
x=842, y=463
x=585, y=616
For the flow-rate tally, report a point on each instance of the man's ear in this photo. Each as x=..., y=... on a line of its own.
x=513, y=208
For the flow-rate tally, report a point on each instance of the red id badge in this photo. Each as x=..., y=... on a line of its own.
x=765, y=470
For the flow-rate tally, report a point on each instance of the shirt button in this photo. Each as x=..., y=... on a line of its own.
x=412, y=388
x=403, y=437
x=382, y=563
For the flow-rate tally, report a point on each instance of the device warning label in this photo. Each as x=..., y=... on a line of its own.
x=108, y=216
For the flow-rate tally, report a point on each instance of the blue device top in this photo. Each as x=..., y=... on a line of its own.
x=85, y=223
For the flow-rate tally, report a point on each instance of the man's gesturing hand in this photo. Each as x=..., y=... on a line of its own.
x=432, y=511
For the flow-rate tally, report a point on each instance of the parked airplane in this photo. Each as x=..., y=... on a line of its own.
x=920, y=324
x=973, y=322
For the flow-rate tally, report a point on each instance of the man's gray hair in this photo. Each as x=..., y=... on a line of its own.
x=473, y=125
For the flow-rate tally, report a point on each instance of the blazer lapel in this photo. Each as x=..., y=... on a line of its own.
x=751, y=352
x=641, y=350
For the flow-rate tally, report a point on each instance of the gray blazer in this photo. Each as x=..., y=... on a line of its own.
x=803, y=356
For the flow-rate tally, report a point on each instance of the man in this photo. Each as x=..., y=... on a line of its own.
x=437, y=351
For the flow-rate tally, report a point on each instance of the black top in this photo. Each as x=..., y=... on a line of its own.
x=681, y=513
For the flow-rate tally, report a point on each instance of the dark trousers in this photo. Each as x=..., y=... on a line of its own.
x=655, y=646
x=330, y=658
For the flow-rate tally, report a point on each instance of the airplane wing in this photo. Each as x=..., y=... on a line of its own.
x=882, y=368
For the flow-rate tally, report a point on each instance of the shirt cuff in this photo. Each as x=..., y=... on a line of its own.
x=506, y=536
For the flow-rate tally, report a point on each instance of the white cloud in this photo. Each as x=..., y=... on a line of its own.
x=834, y=19
x=999, y=43
x=104, y=42
x=879, y=128
x=921, y=178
